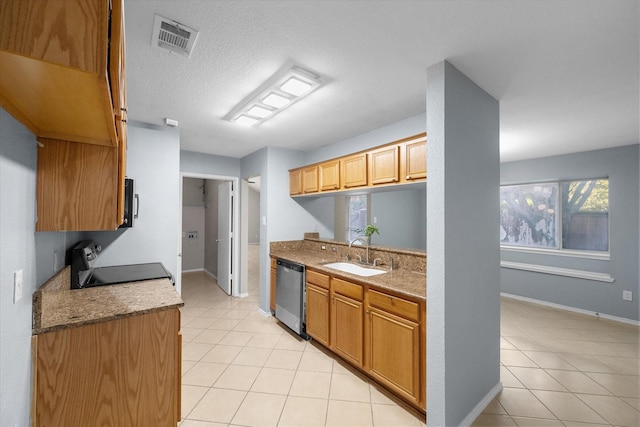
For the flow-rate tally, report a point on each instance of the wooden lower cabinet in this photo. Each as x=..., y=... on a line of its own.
x=347, y=320
x=318, y=313
x=398, y=369
x=123, y=372
x=380, y=333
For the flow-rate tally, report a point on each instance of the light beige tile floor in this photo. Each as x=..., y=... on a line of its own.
x=243, y=369
x=560, y=368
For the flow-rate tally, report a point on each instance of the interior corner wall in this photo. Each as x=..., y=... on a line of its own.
x=153, y=161
x=21, y=248
x=622, y=167
x=463, y=291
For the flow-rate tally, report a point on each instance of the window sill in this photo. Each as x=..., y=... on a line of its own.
x=603, y=256
x=579, y=274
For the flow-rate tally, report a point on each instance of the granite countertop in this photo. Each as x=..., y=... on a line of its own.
x=409, y=283
x=55, y=306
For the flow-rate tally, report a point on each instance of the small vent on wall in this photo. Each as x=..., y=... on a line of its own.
x=173, y=36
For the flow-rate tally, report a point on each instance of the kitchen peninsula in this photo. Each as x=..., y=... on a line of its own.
x=378, y=323
x=110, y=355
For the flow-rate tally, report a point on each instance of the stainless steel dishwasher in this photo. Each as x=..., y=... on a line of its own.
x=291, y=296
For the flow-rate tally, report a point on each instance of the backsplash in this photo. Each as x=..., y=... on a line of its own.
x=405, y=259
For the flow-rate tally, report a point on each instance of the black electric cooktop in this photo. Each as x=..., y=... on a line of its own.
x=127, y=273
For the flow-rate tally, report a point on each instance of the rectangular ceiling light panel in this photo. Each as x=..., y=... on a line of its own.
x=275, y=95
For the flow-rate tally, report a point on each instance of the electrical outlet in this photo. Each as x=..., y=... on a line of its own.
x=627, y=295
x=192, y=235
x=17, y=285
x=323, y=247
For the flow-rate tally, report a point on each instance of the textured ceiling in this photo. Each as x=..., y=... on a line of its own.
x=565, y=72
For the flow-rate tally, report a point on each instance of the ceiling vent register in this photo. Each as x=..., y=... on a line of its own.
x=173, y=36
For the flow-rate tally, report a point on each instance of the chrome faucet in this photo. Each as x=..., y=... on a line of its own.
x=364, y=242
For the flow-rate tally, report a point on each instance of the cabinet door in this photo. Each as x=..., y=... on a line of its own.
x=384, y=164
x=124, y=372
x=394, y=353
x=117, y=78
x=318, y=313
x=354, y=170
x=272, y=290
x=330, y=175
x=310, y=179
x=77, y=186
x=415, y=160
x=295, y=182
x=347, y=328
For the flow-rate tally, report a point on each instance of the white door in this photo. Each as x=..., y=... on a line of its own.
x=225, y=235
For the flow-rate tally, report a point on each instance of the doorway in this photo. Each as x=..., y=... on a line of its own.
x=208, y=223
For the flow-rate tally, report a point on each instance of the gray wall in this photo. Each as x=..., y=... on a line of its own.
x=21, y=248
x=153, y=158
x=398, y=130
x=463, y=295
x=209, y=164
x=621, y=166
x=192, y=192
x=254, y=216
x=211, y=227
x=401, y=218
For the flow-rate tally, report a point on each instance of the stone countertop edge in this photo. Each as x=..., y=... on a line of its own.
x=409, y=283
x=56, y=308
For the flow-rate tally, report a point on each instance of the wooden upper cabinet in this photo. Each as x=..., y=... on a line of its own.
x=384, y=165
x=310, y=179
x=354, y=170
x=57, y=69
x=295, y=182
x=414, y=159
x=77, y=186
x=330, y=175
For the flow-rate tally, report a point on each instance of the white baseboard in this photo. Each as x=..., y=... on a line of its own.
x=210, y=274
x=475, y=413
x=195, y=270
x=573, y=309
x=243, y=295
x=264, y=313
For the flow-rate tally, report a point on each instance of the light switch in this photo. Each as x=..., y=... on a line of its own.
x=17, y=285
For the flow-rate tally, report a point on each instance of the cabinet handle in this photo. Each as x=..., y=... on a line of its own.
x=408, y=176
x=137, y=205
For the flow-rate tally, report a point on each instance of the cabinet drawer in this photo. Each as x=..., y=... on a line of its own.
x=395, y=305
x=318, y=279
x=347, y=289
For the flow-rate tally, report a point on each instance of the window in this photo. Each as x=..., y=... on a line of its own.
x=556, y=215
x=585, y=215
x=356, y=214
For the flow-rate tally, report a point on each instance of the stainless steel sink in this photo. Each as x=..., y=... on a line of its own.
x=356, y=269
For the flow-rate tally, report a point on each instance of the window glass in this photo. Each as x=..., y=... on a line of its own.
x=528, y=215
x=585, y=215
x=356, y=214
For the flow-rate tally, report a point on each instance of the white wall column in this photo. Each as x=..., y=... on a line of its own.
x=463, y=280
